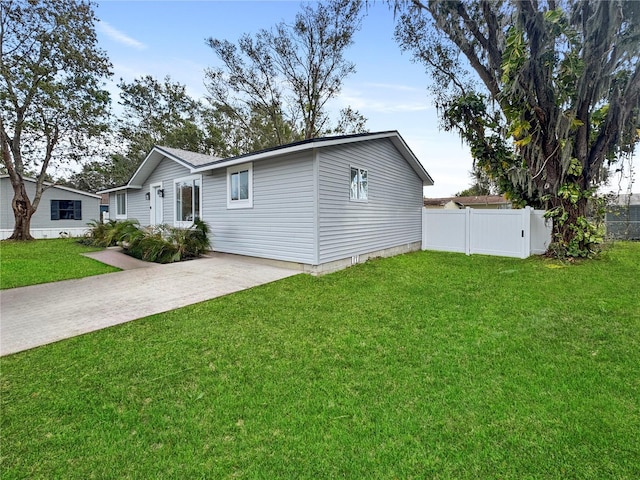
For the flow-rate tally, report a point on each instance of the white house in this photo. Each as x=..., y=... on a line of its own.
x=324, y=203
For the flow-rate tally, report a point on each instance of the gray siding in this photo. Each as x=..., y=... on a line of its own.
x=42, y=217
x=167, y=172
x=281, y=224
x=6, y=212
x=138, y=206
x=391, y=217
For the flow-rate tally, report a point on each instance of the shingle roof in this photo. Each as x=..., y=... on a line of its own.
x=198, y=162
x=192, y=158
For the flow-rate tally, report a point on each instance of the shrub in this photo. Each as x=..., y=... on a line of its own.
x=190, y=242
x=110, y=233
x=159, y=244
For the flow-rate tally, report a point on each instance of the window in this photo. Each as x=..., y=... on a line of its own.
x=121, y=205
x=188, y=199
x=240, y=186
x=359, y=184
x=66, y=210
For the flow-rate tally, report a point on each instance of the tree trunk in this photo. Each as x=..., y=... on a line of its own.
x=571, y=234
x=22, y=207
x=22, y=212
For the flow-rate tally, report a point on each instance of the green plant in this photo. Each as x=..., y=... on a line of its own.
x=43, y=261
x=110, y=233
x=190, y=242
x=152, y=245
x=428, y=365
x=159, y=243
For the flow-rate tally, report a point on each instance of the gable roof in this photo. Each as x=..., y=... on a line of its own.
x=198, y=162
x=59, y=187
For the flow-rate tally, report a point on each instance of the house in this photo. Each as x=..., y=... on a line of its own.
x=622, y=219
x=323, y=203
x=63, y=211
x=479, y=201
x=104, y=207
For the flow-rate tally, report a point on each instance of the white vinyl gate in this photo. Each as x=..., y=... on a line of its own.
x=507, y=233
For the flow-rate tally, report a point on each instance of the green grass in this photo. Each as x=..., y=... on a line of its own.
x=428, y=365
x=42, y=261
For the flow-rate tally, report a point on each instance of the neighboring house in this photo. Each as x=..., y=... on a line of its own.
x=480, y=201
x=324, y=203
x=62, y=211
x=104, y=207
x=622, y=219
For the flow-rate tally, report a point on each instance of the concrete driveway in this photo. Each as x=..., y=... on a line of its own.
x=42, y=314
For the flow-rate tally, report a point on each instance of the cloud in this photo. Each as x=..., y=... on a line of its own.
x=394, y=86
x=385, y=98
x=120, y=37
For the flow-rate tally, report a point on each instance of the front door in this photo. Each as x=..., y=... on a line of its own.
x=156, y=198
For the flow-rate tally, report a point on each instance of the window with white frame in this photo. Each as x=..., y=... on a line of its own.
x=121, y=205
x=359, y=190
x=240, y=186
x=188, y=198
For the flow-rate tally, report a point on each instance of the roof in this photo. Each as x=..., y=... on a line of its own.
x=625, y=199
x=192, y=158
x=198, y=162
x=59, y=187
x=473, y=200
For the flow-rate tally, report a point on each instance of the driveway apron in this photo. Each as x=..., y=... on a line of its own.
x=41, y=314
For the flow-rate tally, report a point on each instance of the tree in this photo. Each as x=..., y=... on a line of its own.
x=555, y=99
x=153, y=113
x=277, y=85
x=51, y=98
x=101, y=174
x=480, y=186
x=163, y=113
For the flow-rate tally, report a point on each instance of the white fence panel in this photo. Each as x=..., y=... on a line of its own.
x=540, y=232
x=444, y=230
x=498, y=232
x=509, y=233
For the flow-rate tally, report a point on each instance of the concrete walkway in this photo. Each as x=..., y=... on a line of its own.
x=42, y=314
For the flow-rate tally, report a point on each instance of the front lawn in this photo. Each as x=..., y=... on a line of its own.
x=428, y=365
x=43, y=261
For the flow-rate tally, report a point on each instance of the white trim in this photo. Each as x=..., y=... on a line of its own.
x=183, y=223
x=117, y=189
x=121, y=216
x=157, y=154
x=300, y=147
x=394, y=136
x=153, y=195
x=359, y=169
x=245, y=203
x=48, y=185
x=43, y=233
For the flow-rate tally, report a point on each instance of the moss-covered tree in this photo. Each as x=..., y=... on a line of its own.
x=547, y=94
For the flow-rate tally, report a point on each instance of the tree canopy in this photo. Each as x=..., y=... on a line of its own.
x=546, y=93
x=153, y=113
x=52, y=100
x=276, y=85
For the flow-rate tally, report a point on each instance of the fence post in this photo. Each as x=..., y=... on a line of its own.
x=424, y=228
x=467, y=230
x=526, y=232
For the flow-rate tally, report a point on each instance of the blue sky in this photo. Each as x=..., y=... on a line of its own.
x=162, y=38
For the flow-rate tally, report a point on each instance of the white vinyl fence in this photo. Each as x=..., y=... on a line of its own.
x=507, y=233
